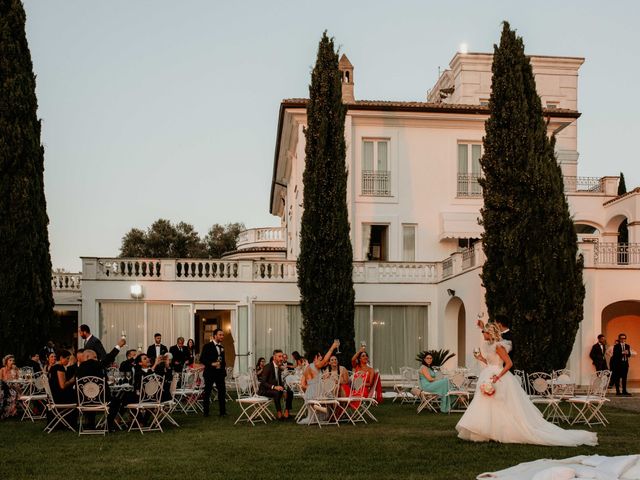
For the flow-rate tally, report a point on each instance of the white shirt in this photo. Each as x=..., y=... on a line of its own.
x=157, y=350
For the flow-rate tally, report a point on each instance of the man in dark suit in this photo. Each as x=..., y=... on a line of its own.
x=92, y=342
x=180, y=355
x=127, y=365
x=215, y=370
x=157, y=348
x=272, y=385
x=620, y=364
x=597, y=354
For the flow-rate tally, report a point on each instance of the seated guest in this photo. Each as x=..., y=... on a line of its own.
x=360, y=363
x=164, y=368
x=9, y=371
x=34, y=363
x=310, y=381
x=51, y=360
x=299, y=363
x=273, y=386
x=156, y=348
x=191, y=352
x=49, y=348
x=286, y=364
x=180, y=355
x=142, y=369
x=336, y=370
x=260, y=366
x=62, y=388
x=71, y=367
x=127, y=365
x=428, y=383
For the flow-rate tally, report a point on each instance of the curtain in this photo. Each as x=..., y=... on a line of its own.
x=271, y=330
x=118, y=317
x=294, y=315
x=367, y=156
x=243, y=338
x=362, y=325
x=159, y=321
x=366, y=239
x=182, y=321
x=476, y=153
x=463, y=159
x=408, y=243
x=382, y=157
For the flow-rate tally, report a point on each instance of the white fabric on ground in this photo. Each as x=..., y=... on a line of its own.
x=625, y=467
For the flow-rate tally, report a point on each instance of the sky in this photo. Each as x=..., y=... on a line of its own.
x=163, y=109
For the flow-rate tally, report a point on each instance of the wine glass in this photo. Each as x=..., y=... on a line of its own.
x=363, y=343
x=337, y=342
x=476, y=352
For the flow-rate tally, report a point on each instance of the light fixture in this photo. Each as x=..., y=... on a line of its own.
x=136, y=291
x=451, y=292
x=464, y=48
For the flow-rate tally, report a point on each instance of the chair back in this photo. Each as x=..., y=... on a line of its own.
x=358, y=384
x=562, y=384
x=244, y=385
x=91, y=391
x=38, y=383
x=522, y=378
x=540, y=384
x=25, y=372
x=598, y=384
x=328, y=387
x=189, y=378
x=458, y=379
x=151, y=389
x=174, y=385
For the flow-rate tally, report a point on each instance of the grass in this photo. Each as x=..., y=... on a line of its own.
x=402, y=445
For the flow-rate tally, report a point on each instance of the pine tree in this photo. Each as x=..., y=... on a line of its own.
x=622, y=186
x=532, y=273
x=26, y=301
x=325, y=263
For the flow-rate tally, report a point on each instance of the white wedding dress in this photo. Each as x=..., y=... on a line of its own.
x=508, y=416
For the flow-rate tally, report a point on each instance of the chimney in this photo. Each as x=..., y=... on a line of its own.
x=347, y=79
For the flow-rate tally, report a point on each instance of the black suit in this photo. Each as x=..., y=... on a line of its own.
x=94, y=343
x=151, y=351
x=97, y=368
x=180, y=357
x=597, y=356
x=127, y=366
x=272, y=377
x=211, y=354
x=620, y=366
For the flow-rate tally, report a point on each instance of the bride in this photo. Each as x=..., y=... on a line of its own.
x=506, y=414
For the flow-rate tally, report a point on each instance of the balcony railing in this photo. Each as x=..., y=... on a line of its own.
x=583, y=184
x=468, y=185
x=66, y=282
x=261, y=236
x=618, y=254
x=468, y=258
x=376, y=183
x=447, y=267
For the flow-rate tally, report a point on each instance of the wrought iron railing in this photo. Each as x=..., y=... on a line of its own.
x=583, y=184
x=376, y=183
x=468, y=185
x=616, y=254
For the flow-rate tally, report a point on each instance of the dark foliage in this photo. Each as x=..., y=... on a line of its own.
x=325, y=262
x=26, y=301
x=532, y=274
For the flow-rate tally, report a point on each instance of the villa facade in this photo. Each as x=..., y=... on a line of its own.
x=414, y=201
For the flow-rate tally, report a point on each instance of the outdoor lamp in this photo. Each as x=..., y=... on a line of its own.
x=136, y=291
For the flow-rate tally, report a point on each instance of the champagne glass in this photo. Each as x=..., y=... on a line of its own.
x=363, y=343
x=337, y=350
x=476, y=352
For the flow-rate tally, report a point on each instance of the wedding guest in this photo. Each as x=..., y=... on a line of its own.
x=286, y=364
x=92, y=342
x=156, y=348
x=428, y=383
x=213, y=359
x=62, y=389
x=51, y=361
x=360, y=363
x=50, y=347
x=191, y=352
x=273, y=386
x=127, y=365
x=260, y=366
x=180, y=355
x=598, y=354
x=336, y=370
x=9, y=371
x=310, y=381
x=299, y=362
x=34, y=363
x=164, y=368
x=620, y=364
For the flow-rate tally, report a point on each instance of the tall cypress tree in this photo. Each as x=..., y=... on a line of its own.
x=532, y=273
x=325, y=263
x=622, y=185
x=26, y=301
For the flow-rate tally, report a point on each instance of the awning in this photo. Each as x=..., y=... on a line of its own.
x=460, y=225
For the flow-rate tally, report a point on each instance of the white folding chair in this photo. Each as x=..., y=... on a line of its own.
x=169, y=406
x=404, y=387
x=459, y=390
x=541, y=388
x=370, y=400
x=426, y=400
x=60, y=411
x=186, y=396
x=562, y=386
x=588, y=408
x=324, y=402
x=149, y=403
x=33, y=395
x=352, y=406
x=253, y=407
x=91, y=393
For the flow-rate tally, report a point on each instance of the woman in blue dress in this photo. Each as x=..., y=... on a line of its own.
x=428, y=383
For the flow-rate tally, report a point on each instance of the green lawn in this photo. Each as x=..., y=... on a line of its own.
x=402, y=445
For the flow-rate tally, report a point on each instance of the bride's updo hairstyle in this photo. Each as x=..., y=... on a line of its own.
x=493, y=331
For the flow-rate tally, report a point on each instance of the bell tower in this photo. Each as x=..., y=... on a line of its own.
x=346, y=69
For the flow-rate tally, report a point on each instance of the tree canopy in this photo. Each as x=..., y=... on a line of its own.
x=166, y=240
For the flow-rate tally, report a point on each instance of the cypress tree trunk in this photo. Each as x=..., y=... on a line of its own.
x=325, y=263
x=26, y=301
x=532, y=273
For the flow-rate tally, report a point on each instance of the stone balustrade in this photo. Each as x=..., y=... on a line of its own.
x=66, y=282
x=254, y=237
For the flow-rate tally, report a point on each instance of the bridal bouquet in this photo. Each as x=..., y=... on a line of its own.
x=488, y=389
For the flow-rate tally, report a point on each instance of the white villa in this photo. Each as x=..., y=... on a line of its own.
x=414, y=202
